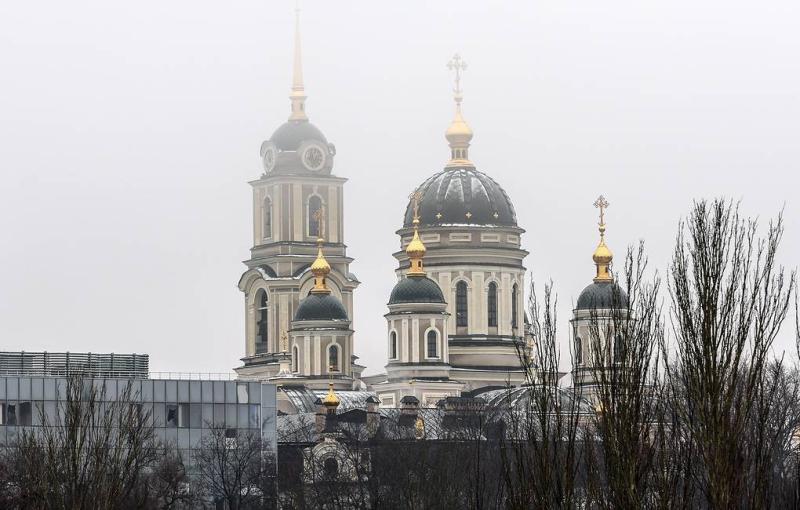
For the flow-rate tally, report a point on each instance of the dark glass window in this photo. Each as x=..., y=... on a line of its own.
x=330, y=468
x=333, y=357
x=461, y=304
x=267, y=214
x=492, y=305
x=393, y=345
x=172, y=415
x=578, y=350
x=514, y=304
x=262, y=314
x=314, y=205
x=433, y=344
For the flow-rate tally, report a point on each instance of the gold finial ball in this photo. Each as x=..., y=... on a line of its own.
x=459, y=133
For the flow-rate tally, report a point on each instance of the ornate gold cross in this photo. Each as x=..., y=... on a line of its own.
x=602, y=204
x=320, y=217
x=458, y=65
x=415, y=197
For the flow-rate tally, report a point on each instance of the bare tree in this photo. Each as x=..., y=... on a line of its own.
x=623, y=341
x=729, y=299
x=540, y=444
x=91, y=454
x=234, y=466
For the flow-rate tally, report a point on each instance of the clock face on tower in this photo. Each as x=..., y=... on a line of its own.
x=268, y=156
x=313, y=157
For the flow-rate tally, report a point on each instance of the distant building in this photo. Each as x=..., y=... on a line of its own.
x=182, y=411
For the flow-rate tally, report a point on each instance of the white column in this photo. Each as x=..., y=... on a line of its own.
x=478, y=321
x=404, y=340
x=306, y=355
x=298, y=212
x=505, y=305
x=415, y=341
x=332, y=215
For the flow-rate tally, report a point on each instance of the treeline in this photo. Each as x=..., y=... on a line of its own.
x=691, y=405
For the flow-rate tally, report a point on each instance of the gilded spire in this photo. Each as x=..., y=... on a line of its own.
x=602, y=255
x=320, y=268
x=416, y=249
x=331, y=399
x=459, y=133
x=298, y=94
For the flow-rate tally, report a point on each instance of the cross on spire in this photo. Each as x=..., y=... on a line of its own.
x=319, y=215
x=602, y=204
x=458, y=65
x=415, y=197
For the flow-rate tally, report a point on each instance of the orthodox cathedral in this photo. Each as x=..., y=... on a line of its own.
x=455, y=321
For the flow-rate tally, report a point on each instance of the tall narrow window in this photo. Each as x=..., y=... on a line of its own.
x=295, y=358
x=262, y=333
x=578, y=350
x=514, y=303
x=314, y=205
x=619, y=349
x=393, y=345
x=266, y=215
x=333, y=358
x=433, y=344
x=491, y=305
x=461, y=304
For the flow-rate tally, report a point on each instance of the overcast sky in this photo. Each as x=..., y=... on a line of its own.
x=129, y=131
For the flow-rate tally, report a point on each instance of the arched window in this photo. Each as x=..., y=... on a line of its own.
x=330, y=468
x=619, y=349
x=333, y=358
x=461, y=304
x=295, y=358
x=578, y=350
x=514, y=303
x=266, y=214
x=314, y=205
x=262, y=333
x=432, y=344
x=393, y=345
x=491, y=305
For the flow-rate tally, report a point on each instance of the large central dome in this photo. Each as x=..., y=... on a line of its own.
x=462, y=196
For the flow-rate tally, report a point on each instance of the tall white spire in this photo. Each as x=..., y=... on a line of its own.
x=298, y=95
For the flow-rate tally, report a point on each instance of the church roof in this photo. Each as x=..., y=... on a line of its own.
x=324, y=307
x=462, y=195
x=291, y=134
x=602, y=295
x=416, y=289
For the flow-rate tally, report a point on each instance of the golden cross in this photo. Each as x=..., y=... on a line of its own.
x=415, y=197
x=458, y=65
x=320, y=217
x=602, y=204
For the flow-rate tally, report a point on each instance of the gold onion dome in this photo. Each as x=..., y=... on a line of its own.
x=320, y=269
x=331, y=399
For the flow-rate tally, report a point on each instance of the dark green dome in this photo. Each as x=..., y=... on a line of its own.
x=291, y=134
x=603, y=295
x=320, y=307
x=416, y=289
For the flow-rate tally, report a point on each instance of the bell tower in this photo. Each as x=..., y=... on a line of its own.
x=297, y=183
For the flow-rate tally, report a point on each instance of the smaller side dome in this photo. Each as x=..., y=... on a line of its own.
x=602, y=295
x=321, y=307
x=416, y=290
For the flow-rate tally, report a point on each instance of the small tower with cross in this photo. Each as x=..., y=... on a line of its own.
x=458, y=134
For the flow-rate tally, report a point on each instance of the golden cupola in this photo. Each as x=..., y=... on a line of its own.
x=602, y=255
x=416, y=249
x=320, y=269
x=331, y=400
x=458, y=134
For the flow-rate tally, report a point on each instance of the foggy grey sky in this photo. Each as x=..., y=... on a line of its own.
x=129, y=131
